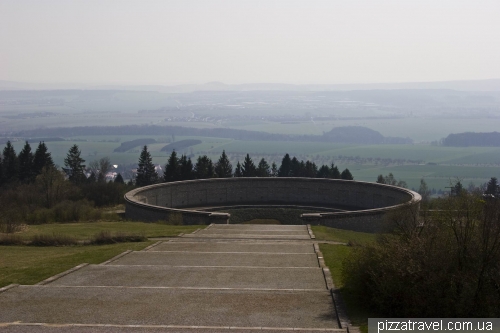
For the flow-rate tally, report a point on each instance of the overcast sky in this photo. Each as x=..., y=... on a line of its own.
x=248, y=41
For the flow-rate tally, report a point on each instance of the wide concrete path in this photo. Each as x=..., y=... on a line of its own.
x=237, y=278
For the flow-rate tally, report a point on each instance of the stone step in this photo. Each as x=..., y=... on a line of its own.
x=206, y=259
x=230, y=231
x=195, y=277
x=155, y=306
x=246, y=236
x=234, y=247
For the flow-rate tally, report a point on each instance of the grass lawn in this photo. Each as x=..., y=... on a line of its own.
x=340, y=235
x=334, y=256
x=86, y=230
x=32, y=264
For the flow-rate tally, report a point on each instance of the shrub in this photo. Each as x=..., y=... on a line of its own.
x=447, y=267
x=53, y=240
x=106, y=237
x=10, y=239
x=65, y=211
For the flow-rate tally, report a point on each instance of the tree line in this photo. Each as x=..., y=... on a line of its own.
x=467, y=139
x=33, y=190
x=182, y=168
x=26, y=166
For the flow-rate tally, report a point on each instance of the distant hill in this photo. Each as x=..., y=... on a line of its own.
x=348, y=134
x=491, y=139
x=132, y=144
x=463, y=85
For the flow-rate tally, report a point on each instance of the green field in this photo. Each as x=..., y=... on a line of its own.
x=83, y=231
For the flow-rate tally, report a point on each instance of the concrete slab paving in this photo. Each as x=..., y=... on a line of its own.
x=195, y=277
x=153, y=306
x=259, y=226
x=217, y=259
x=246, y=236
x=253, y=232
x=234, y=247
x=234, y=278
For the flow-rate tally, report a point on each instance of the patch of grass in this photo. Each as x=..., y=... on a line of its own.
x=30, y=265
x=334, y=256
x=85, y=231
x=341, y=235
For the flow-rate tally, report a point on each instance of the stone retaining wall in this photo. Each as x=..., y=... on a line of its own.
x=185, y=202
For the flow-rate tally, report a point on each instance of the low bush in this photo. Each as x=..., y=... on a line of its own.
x=65, y=211
x=106, y=237
x=53, y=240
x=11, y=239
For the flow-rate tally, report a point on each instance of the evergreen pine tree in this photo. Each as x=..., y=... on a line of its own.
x=323, y=172
x=26, y=164
x=492, y=187
x=296, y=167
x=186, y=167
x=223, y=168
x=310, y=170
x=204, y=168
x=274, y=170
x=248, y=168
x=263, y=169
x=380, y=179
x=119, y=179
x=74, y=163
x=10, y=163
x=285, y=167
x=334, y=172
x=41, y=159
x=172, y=171
x=346, y=174
x=238, y=172
x=146, y=173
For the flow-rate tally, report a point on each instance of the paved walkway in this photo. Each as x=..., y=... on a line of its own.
x=235, y=278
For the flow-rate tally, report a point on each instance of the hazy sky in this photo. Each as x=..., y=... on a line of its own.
x=248, y=41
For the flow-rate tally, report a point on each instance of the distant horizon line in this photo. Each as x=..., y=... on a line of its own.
x=240, y=84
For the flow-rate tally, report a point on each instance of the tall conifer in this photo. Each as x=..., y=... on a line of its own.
x=146, y=173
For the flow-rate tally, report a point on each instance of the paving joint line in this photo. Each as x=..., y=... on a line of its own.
x=116, y=257
x=152, y=245
x=258, y=267
x=237, y=267
x=280, y=253
x=189, y=288
x=257, y=328
x=60, y=275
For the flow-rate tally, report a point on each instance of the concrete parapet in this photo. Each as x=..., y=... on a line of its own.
x=189, y=202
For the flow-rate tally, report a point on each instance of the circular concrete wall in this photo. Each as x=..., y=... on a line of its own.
x=352, y=204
